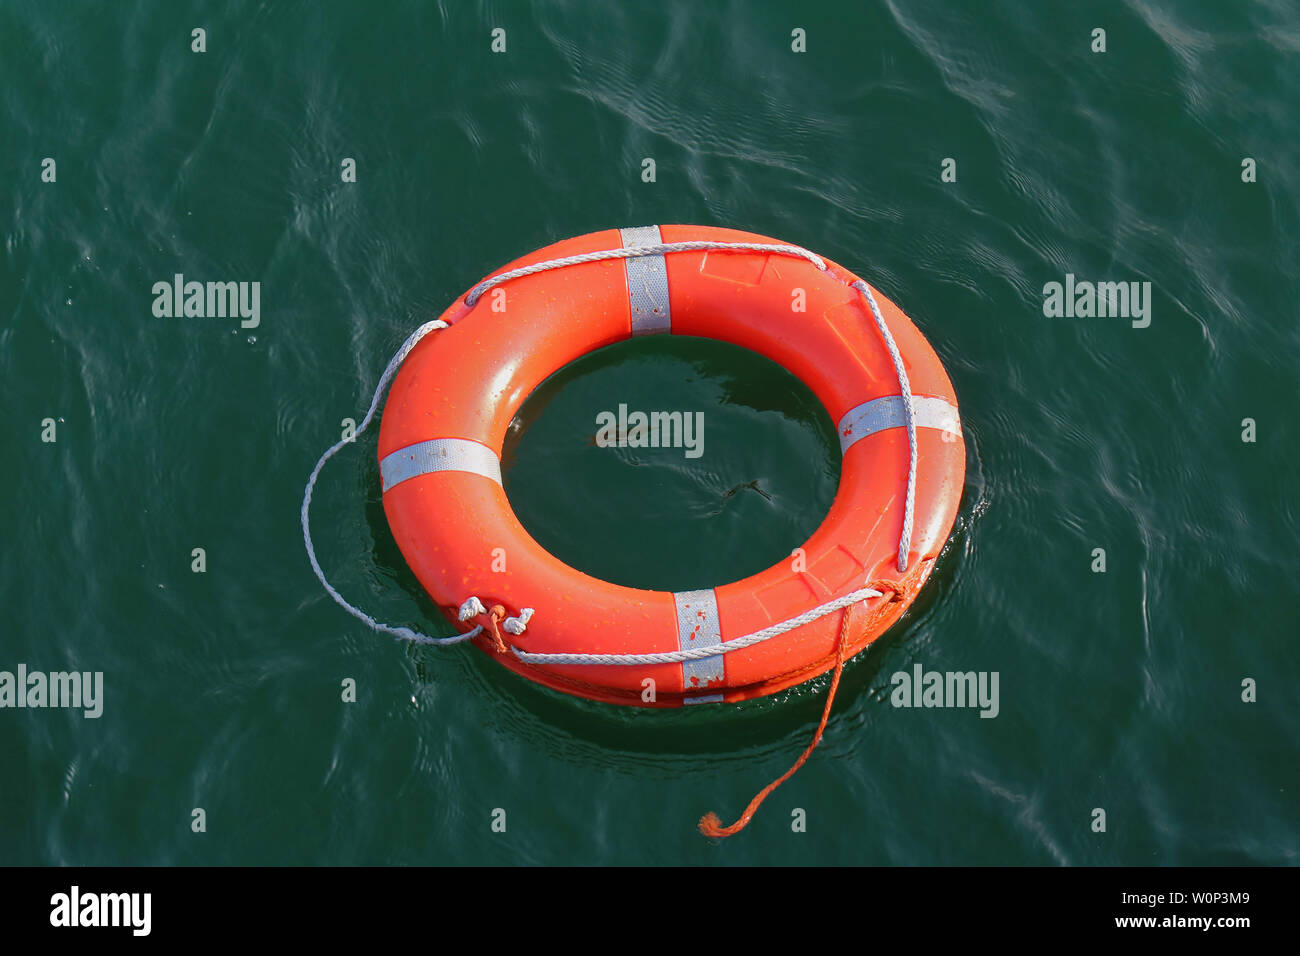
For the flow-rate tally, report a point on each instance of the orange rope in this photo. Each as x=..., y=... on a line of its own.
x=494, y=616
x=710, y=824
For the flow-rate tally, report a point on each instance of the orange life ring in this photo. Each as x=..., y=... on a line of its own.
x=446, y=417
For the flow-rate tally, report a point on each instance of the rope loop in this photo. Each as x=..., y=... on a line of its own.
x=516, y=625
x=401, y=633
x=496, y=618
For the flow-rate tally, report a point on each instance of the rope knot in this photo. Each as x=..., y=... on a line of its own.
x=496, y=621
x=517, y=625
x=892, y=589
x=471, y=609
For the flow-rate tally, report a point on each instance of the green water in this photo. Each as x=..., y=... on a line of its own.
x=693, y=507
x=1119, y=690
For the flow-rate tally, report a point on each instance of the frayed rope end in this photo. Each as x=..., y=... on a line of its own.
x=711, y=825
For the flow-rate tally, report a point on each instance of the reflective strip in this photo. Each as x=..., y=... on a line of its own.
x=889, y=412
x=647, y=283
x=697, y=626
x=439, y=454
x=707, y=699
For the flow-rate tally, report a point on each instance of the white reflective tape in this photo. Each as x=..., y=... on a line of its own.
x=647, y=283
x=888, y=412
x=706, y=699
x=697, y=626
x=439, y=454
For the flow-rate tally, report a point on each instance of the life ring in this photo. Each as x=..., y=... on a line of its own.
x=449, y=407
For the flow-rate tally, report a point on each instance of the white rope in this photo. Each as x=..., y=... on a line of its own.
x=905, y=539
x=698, y=653
x=517, y=625
x=405, y=633
x=628, y=252
x=633, y=252
x=473, y=607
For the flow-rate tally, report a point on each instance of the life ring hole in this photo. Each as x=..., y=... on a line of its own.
x=671, y=463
